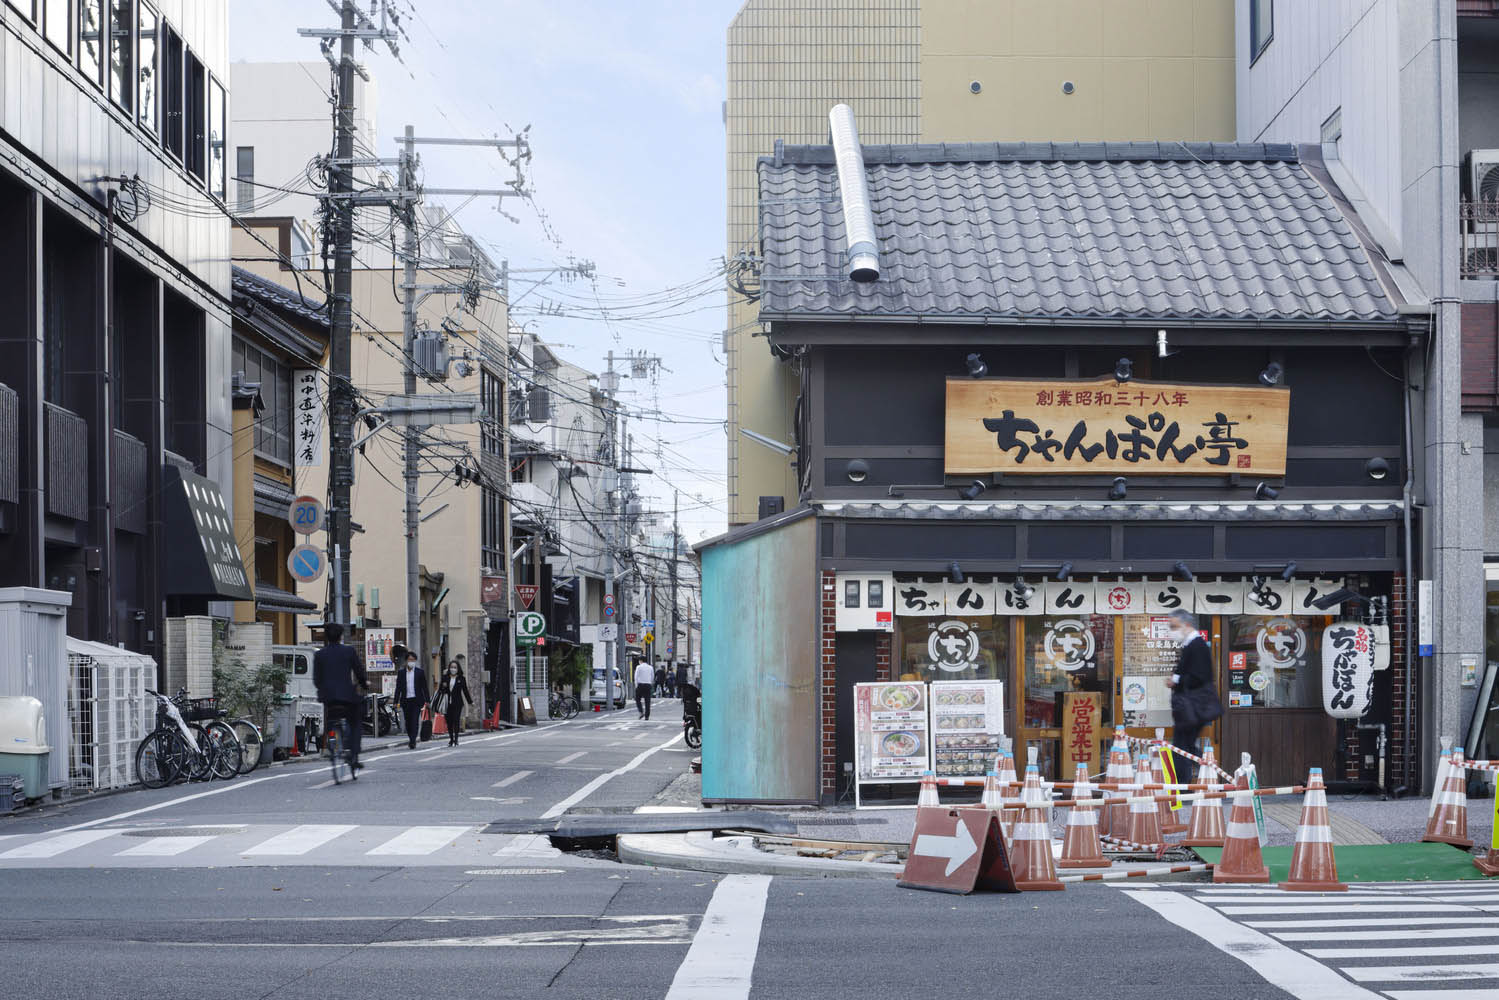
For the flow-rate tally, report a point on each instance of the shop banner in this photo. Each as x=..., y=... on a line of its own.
x=1105, y=427
x=1304, y=594
x=1014, y=600
x=1069, y=597
x=1082, y=719
x=307, y=418
x=1267, y=596
x=891, y=738
x=1119, y=597
x=1165, y=596
x=971, y=598
x=968, y=721
x=921, y=598
x=1220, y=597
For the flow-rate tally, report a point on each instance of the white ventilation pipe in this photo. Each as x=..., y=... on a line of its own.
x=853, y=187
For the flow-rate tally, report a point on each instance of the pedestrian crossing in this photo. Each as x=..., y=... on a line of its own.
x=1399, y=941
x=314, y=844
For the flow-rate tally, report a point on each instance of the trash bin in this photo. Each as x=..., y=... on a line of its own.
x=23, y=743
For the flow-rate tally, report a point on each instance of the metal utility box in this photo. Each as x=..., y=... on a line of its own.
x=23, y=743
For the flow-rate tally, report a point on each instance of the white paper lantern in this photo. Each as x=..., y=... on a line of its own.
x=1381, y=646
x=1347, y=669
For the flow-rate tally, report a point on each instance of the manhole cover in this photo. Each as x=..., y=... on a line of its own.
x=514, y=871
x=186, y=831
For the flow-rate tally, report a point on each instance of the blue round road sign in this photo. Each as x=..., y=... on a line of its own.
x=306, y=563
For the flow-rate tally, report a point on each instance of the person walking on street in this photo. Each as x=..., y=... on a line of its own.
x=1194, y=700
x=660, y=681
x=451, y=699
x=412, y=694
x=341, y=683
x=644, y=677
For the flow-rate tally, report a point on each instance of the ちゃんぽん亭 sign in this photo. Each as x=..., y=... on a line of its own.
x=1050, y=426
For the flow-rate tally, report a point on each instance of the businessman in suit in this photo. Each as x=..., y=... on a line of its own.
x=412, y=695
x=1194, y=669
x=341, y=682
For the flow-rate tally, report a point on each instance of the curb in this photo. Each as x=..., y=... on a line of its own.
x=700, y=851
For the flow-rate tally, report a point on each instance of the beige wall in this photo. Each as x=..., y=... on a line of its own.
x=1142, y=69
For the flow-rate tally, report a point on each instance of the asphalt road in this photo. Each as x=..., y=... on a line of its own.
x=277, y=886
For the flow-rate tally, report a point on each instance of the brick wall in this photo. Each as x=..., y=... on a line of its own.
x=883, y=669
x=827, y=683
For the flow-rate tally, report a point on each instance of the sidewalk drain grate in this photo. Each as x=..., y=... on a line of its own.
x=186, y=831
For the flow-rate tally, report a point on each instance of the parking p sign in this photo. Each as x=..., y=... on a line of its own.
x=529, y=627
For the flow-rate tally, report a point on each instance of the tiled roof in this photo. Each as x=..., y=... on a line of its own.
x=269, y=292
x=1004, y=232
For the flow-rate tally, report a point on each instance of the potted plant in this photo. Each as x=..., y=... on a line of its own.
x=251, y=692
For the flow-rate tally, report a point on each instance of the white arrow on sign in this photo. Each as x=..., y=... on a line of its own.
x=956, y=849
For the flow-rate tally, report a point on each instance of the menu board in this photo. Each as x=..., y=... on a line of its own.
x=1150, y=657
x=891, y=737
x=967, y=725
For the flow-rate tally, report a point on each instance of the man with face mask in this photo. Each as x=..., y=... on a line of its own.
x=1193, y=697
x=411, y=694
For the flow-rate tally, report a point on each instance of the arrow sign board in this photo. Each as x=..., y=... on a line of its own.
x=958, y=850
x=526, y=592
x=305, y=515
x=306, y=563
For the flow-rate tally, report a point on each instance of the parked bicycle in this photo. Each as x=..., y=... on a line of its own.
x=177, y=749
x=562, y=706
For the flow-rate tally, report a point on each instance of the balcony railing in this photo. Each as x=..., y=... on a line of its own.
x=131, y=468
x=1479, y=223
x=67, y=463
x=10, y=444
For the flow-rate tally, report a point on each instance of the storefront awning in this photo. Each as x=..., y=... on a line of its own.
x=1373, y=510
x=278, y=601
x=194, y=507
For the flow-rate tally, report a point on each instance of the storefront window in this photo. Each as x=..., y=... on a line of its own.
x=1065, y=655
x=1150, y=657
x=1274, y=662
x=954, y=649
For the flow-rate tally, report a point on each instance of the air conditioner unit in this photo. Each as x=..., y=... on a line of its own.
x=1481, y=221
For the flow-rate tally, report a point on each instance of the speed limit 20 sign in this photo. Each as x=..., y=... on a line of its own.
x=305, y=515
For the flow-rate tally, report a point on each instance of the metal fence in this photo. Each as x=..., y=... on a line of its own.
x=1479, y=223
x=110, y=713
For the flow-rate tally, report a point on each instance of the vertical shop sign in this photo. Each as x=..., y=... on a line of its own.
x=1424, y=640
x=1082, y=717
x=307, y=418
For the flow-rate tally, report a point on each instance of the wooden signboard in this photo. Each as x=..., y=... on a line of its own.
x=958, y=850
x=1082, y=720
x=1105, y=427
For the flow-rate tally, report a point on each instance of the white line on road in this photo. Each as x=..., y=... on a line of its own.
x=420, y=840
x=573, y=756
x=299, y=839
x=1300, y=976
x=53, y=846
x=439, y=756
x=603, y=779
x=1416, y=973
x=517, y=776
x=1442, y=994
x=236, y=786
x=1431, y=951
x=363, y=771
x=721, y=961
x=162, y=847
x=1371, y=922
x=1369, y=907
x=1392, y=934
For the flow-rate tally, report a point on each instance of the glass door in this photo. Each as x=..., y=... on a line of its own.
x=1064, y=683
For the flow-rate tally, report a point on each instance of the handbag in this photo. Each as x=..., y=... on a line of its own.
x=440, y=703
x=1196, y=707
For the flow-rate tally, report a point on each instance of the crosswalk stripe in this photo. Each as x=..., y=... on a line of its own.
x=517, y=776
x=1417, y=973
x=1340, y=899
x=1372, y=922
x=299, y=839
x=163, y=847
x=1442, y=994
x=53, y=846
x=1448, y=897
x=1433, y=951
x=1389, y=934
x=420, y=840
x=572, y=757
x=1319, y=907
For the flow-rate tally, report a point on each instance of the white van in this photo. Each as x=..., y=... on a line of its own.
x=298, y=663
x=616, y=695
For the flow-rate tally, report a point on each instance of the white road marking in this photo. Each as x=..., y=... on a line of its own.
x=162, y=847
x=420, y=840
x=603, y=779
x=573, y=756
x=363, y=771
x=1372, y=922
x=517, y=776
x=233, y=787
x=1392, y=934
x=1297, y=974
x=1417, y=973
x=52, y=846
x=1434, y=951
x=1442, y=994
x=299, y=839
x=721, y=961
x=1465, y=897
x=438, y=756
x=1369, y=907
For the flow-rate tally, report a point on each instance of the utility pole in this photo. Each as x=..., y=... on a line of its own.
x=671, y=649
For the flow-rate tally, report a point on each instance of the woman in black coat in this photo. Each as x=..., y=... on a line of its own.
x=453, y=695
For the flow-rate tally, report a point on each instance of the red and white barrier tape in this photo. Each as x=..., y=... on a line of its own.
x=1130, y=845
x=1182, y=753
x=1136, y=873
x=1481, y=765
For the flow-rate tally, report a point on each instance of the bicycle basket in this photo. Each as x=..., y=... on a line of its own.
x=199, y=709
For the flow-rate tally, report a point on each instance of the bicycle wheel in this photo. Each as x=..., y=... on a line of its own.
x=694, y=735
x=156, y=760
x=200, y=764
x=571, y=707
x=224, y=750
x=248, y=735
x=335, y=744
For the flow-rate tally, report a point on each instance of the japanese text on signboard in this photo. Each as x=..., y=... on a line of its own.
x=307, y=418
x=1045, y=426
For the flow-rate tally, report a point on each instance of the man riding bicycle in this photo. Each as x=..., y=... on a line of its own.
x=341, y=683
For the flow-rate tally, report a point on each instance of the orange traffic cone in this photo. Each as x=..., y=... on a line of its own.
x=1206, y=828
x=1080, y=846
x=992, y=797
x=1008, y=781
x=1144, y=821
x=1313, y=868
x=1115, y=817
x=927, y=796
x=1169, y=822
x=1241, y=861
x=1030, y=857
x=1489, y=863
x=1447, y=821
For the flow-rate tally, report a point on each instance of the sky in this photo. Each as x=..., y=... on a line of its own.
x=624, y=103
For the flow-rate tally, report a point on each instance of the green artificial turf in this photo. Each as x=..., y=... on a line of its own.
x=1376, y=862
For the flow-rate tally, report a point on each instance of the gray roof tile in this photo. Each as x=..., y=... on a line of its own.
x=1112, y=230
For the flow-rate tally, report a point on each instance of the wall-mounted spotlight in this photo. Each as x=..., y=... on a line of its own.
x=1064, y=571
x=955, y=572
x=857, y=470
x=976, y=366
x=1340, y=596
x=1272, y=374
x=1288, y=572
x=1119, y=489
x=1182, y=570
x=1264, y=491
x=1124, y=370
x=1022, y=588
x=1377, y=469
x=973, y=490
x=1163, y=349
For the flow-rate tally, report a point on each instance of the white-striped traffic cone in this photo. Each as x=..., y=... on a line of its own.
x=1164, y=813
x=1030, y=859
x=1241, y=860
x=1313, y=868
x=1144, y=820
x=1115, y=817
x=927, y=796
x=1010, y=793
x=1206, y=827
x=1080, y=845
x=1447, y=819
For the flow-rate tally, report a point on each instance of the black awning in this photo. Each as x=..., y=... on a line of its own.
x=278, y=601
x=194, y=509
